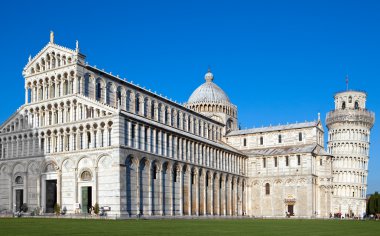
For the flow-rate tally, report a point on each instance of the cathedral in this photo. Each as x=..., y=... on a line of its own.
x=86, y=137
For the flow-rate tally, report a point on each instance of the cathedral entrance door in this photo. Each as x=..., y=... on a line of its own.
x=86, y=199
x=19, y=199
x=291, y=210
x=51, y=195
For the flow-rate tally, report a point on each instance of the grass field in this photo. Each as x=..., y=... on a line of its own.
x=28, y=226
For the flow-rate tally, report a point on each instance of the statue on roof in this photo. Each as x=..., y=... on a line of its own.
x=51, y=37
x=77, y=46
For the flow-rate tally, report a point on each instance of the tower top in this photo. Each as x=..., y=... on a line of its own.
x=51, y=37
x=209, y=77
x=347, y=82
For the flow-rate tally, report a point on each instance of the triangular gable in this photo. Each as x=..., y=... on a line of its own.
x=12, y=118
x=62, y=56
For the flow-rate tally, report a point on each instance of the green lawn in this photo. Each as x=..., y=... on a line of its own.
x=28, y=226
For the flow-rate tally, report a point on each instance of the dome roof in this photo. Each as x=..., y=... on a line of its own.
x=209, y=92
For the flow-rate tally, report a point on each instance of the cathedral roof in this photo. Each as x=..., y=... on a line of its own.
x=275, y=128
x=288, y=150
x=209, y=92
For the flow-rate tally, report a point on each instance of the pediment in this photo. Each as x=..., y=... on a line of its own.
x=50, y=57
x=13, y=121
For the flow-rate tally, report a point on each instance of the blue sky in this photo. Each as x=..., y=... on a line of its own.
x=279, y=61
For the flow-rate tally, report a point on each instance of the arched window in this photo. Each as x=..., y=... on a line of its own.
x=356, y=105
x=118, y=97
x=244, y=142
x=178, y=121
x=287, y=161
x=137, y=104
x=279, y=138
x=152, y=112
x=98, y=91
x=299, y=136
x=167, y=116
x=229, y=125
x=343, y=105
x=349, y=99
x=154, y=172
x=88, y=139
x=146, y=107
x=128, y=100
x=159, y=113
x=261, y=140
x=267, y=189
x=175, y=176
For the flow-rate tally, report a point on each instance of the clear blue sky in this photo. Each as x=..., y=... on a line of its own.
x=279, y=61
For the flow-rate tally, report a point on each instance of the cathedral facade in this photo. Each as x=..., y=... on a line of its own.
x=84, y=136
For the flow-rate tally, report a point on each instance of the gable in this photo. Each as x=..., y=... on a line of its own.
x=12, y=123
x=50, y=57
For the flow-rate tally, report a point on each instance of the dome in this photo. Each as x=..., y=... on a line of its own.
x=209, y=92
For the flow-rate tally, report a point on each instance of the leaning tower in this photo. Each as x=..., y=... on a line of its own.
x=349, y=126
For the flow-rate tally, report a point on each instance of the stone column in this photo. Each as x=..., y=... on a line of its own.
x=96, y=190
x=11, y=203
x=203, y=196
x=169, y=117
x=170, y=151
x=169, y=181
x=165, y=151
x=186, y=192
x=26, y=186
x=75, y=91
x=59, y=187
x=209, y=194
x=179, y=149
x=216, y=193
x=194, y=193
x=223, y=196
x=38, y=93
x=61, y=87
x=26, y=95
x=154, y=141
x=148, y=138
x=160, y=188
x=129, y=137
x=235, y=198
x=146, y=189
x=142, y=140
x=175, y=145
x=149, y=109
x=141, y=104
x=137, y=182
x=156, y=111
x=137, y=135
x=229, y=196
x=159, y=146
